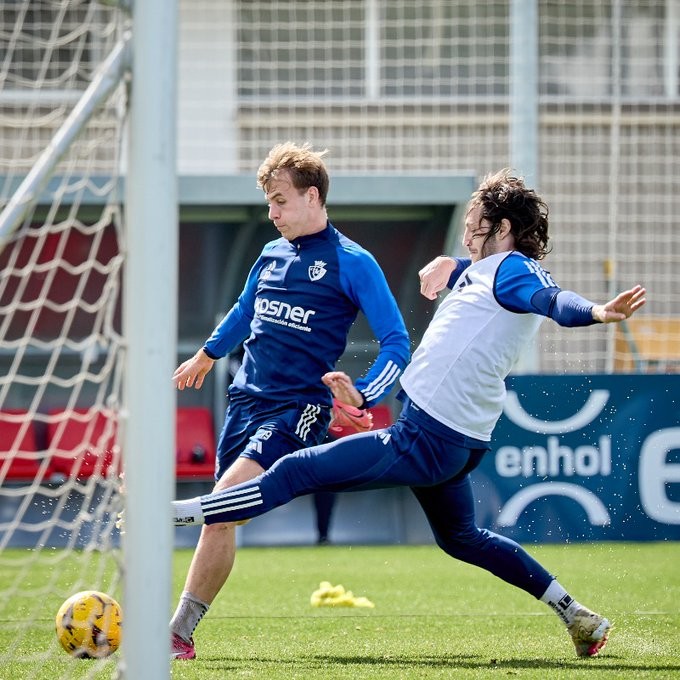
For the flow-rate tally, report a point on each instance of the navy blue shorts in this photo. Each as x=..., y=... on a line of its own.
x=265, y=430
x=416, y=452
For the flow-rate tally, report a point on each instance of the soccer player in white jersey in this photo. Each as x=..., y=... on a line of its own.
x=452, y=393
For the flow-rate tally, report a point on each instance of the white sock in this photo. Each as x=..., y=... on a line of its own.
x=187, y=512
x=559, y=600
x=190, y=610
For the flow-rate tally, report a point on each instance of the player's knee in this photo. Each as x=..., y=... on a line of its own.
x=461, y=544
x=221, y=531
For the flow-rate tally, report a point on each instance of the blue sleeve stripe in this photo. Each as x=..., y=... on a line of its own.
x=384, y=381
x=543, y=276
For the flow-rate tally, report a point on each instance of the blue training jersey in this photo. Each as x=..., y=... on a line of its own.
x=298, y=304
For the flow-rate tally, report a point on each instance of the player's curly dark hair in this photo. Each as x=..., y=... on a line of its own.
x=305, y=166
x=501, y=195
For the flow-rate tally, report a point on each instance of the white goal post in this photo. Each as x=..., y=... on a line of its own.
x=151, y=321
x=88, y=296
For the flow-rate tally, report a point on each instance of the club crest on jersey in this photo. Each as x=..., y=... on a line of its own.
x=317, y=270
x=267, y=271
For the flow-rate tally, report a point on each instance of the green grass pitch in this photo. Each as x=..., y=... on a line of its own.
x=433, y=618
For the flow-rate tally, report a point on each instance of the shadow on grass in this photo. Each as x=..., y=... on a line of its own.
x=606, y=664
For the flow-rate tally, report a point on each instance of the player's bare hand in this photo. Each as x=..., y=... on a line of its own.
x=192, y=372
x=342, y=387
x=621, y=307
x=435, y=275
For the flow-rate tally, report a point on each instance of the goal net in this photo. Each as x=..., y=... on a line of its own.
x=391, y=87
x=61, y=350
x=404, y=87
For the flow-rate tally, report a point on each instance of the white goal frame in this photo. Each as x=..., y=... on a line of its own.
x=149, y=56
x=150, y=320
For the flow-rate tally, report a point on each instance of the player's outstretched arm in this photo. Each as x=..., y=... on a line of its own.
x=192, y=372
x=621, y=307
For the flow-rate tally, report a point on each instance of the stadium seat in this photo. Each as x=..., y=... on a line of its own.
x=382, y=417
x=19, y=456
x=195, y=444
x=81, y=443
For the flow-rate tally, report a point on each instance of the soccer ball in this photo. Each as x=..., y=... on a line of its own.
x=89, y=625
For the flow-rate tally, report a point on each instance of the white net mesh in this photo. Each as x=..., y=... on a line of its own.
x=608, y=160
x=401, y=86
x=60, y=332
x=388, y=86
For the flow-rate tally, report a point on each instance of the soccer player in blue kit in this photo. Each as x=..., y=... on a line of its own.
x=299, y=301
x=452, y=391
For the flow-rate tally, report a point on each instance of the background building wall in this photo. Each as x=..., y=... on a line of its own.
x=395, y=86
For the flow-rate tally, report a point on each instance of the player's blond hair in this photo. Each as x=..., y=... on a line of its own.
x=304, y=166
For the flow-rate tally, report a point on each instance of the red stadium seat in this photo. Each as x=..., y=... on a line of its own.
x=195, y=443
x=19, y=457
x=81, y=443
x=382, y=417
